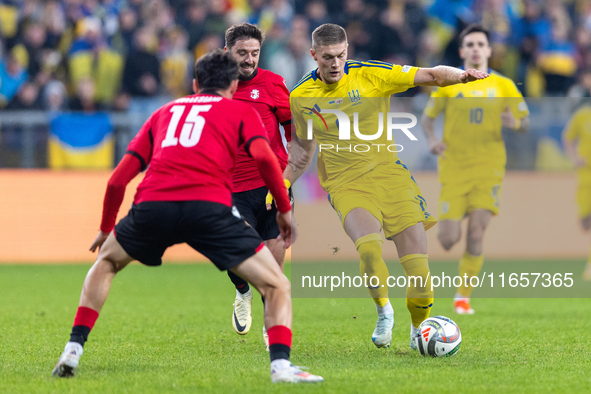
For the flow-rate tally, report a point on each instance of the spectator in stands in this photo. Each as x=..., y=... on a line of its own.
x=91, y=57
x=216, y=24
x=557, y=53
x=361, y=29
x=260, y=14
x=583, y=34
x=13, y=74
x=141, y=77
x=497, y=17
x=317, y=14
x=89, y=36
x=136, y=5
x=295, y=61
x=122, y=40
x=194, y=23
x=300, y=25
x=54, y=96
x=84, y=100
x=449, y=17
x=427, y=51
x=31, y=10
x=526, y=32
x=157, y=15
x=283, y=13
x=92, y=38
x=34, y=39
x=402, y=24
x=177, y=64
x=27, y=97
x=9, y=20
x=54, y=21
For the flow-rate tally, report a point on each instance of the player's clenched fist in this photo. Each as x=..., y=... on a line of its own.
x=288, y=231
x=437, y=147
x=472, y=75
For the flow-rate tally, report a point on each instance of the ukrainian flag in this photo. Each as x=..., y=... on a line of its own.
x=82, y=141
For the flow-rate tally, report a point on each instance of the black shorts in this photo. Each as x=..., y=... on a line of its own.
x=212, y=229
x=253, y=208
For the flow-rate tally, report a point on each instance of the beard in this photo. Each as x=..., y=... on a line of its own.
x=242, y=77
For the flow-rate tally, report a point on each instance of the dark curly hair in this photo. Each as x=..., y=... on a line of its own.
x=216, y=70
x=243, y=31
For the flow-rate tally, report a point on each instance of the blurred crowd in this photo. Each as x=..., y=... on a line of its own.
x=119, y=55
x=134, y=55
x=543, y=45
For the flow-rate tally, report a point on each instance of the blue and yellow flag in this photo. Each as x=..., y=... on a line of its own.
x=83, y=141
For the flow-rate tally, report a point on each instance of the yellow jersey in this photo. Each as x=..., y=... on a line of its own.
x=352, y=145
x=472, y=125
x=579, y=128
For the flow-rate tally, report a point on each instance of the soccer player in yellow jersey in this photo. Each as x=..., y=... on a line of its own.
x=369, y=187
x=577, y=144
x=472, y=154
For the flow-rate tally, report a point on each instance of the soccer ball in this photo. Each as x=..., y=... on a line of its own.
x=438, y=336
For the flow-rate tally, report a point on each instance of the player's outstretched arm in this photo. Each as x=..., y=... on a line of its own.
x=445, y=76
x=436, y=146
x=300, y=156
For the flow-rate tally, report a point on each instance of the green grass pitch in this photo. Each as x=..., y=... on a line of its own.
x=168, y=330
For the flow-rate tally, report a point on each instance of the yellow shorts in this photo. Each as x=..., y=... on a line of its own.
x=389, y=193
x=458, y=199
x=584, y=200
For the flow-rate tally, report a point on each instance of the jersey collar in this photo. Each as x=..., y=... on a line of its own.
x=210, y=92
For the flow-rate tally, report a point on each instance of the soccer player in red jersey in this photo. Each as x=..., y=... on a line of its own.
x=190, y=145
x=266, y=92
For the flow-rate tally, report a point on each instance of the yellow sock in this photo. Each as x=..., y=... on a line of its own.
x=419, y=299
x=372, y=264
x=469, y=266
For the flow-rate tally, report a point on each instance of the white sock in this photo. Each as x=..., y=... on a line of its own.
x=264, y=330
x=280, y=364
x=385, y=310
x=458, y=297
x=247, y=294
x=413, y=330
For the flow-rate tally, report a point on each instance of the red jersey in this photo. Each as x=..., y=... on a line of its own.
x=191, y=145
x=266, y=93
